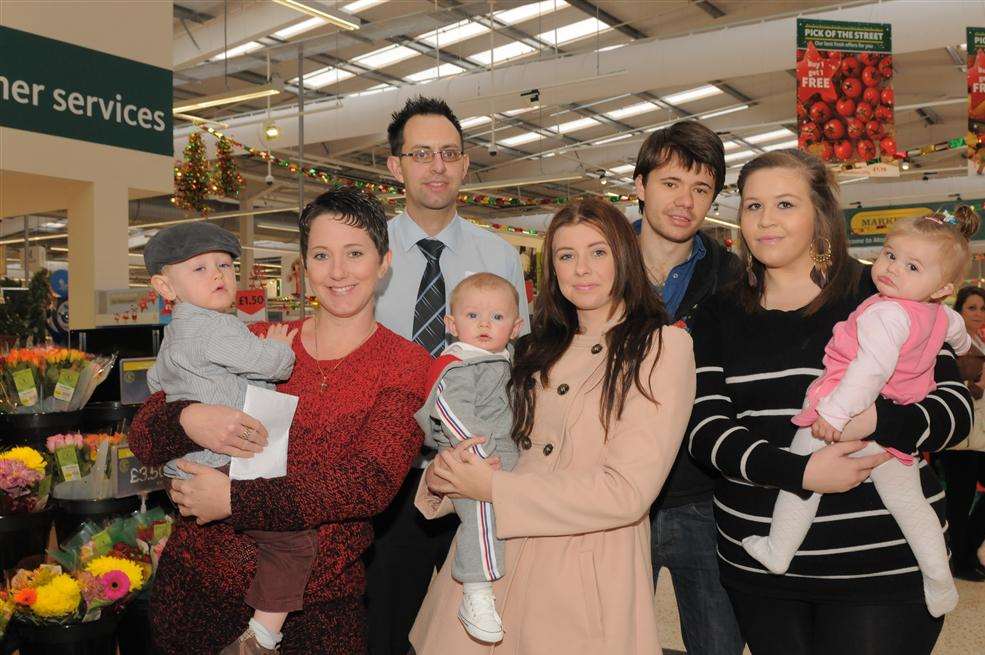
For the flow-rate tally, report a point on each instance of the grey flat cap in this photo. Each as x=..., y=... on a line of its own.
x=183, y=241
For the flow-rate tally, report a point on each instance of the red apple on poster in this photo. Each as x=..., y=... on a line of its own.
x=863, y=112
x=834, y=129
x=851, y=87
x=886, y=66
x=811, y=132
x=801, y=110
x=827, y=150
x=888, y=146
x=850, y=67
x=868, y=58
x=866, y=149
x=887, y=96
x=870, y=76
x=843, y=150
x=871, y=95
x=845, y=107
x=884, y=114
x=820, y=112
x=856, y=128
x=873, y=129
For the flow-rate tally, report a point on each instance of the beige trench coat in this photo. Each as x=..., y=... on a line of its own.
x=575, y=514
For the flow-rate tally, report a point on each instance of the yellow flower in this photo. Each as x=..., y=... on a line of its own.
x=31, y=458
x=59, y=597
x=101, y=565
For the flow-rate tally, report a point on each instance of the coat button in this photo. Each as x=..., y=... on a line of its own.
x=596, y=349
x=562, y=389
x=548, y=449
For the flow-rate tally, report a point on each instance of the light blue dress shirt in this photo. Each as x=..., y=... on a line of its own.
x=468, y=249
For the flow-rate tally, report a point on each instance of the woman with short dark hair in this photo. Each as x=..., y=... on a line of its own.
x=351, y=444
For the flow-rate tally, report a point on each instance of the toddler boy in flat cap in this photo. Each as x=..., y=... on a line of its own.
x=209, y=356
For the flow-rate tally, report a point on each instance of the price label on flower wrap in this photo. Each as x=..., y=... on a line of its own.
x=27, y=391
x=68, y=461
x=65, y=388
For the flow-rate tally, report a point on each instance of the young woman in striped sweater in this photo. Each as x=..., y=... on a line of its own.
x=854, y=587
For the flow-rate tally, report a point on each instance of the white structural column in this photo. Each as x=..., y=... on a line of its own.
x=98, y=254
x=246, y=258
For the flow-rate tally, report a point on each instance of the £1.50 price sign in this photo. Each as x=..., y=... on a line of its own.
x=251, y=305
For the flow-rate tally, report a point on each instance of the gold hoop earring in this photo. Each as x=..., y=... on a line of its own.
x=821, y=256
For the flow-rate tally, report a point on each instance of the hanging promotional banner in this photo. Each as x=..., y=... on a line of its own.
x=975, y=138
x=845, y=95
x=867, y=226
x=251, y=305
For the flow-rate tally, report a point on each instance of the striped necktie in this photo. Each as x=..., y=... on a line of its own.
x=429, y=311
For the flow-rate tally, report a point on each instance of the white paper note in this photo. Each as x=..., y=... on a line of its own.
x=276, y=411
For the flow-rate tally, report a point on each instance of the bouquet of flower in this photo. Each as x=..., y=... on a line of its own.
x=110, y=581
x=6, y=611
x=76, y=454
x=49, y=379
x=46, y=595
x=24, y=481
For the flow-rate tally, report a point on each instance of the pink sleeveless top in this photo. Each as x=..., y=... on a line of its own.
x=913, y=378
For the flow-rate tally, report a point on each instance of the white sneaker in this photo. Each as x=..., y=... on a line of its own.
x=479, y=616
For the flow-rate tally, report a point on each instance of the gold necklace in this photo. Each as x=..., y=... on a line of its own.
x=321, y=371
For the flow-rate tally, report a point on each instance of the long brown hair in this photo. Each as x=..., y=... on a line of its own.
x=829, y=224
x=555, y=320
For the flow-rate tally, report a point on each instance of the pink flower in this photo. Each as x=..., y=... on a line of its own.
x=116, y=585
x=17, y=479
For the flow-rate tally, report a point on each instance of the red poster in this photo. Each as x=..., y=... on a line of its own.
x=975, y=138
x=845, y=95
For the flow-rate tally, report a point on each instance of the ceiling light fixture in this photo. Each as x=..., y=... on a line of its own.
x=313, y=8
x=233, y=97
x=270, y=130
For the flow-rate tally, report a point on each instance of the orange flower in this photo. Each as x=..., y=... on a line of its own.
x=26, y=596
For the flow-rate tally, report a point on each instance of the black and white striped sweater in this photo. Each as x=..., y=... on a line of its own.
x=752, y=374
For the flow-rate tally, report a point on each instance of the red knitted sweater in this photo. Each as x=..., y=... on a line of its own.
x=350, y=449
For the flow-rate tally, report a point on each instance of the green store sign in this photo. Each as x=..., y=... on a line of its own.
x=867, y=226
x=57, y=88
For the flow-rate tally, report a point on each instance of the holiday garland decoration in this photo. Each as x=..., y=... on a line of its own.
x=191, y=177
x=226, y=180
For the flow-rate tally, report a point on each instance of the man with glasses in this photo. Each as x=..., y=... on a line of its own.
x=433, y=250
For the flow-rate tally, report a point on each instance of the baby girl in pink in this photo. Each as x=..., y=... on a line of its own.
x=888, y=346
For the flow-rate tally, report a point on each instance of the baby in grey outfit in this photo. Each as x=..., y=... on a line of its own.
x=468, y=399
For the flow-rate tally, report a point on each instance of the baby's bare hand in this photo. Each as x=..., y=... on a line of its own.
x=281, y=332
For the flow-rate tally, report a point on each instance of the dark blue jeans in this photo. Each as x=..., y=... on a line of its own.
x=685, y=541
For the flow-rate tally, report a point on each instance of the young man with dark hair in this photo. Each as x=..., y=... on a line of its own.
x=679, y=172
x=433, y=250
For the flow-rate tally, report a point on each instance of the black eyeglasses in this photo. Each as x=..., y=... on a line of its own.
x=426, y=155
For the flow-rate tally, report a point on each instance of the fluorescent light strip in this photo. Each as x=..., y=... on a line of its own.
x=384, y=57
x=698, y=93
x=193, y=104
x=723, y=112
x=772, y=135
x=575, y=125
x=503, y=53
x=792, y=143
x=474, y=121
x=451, y=34
x=611, y=139
x=631, y=110
x=444, y=70
x=313, y=8
x=526, y=12
x=625, y=168
x=361, y=5
x=573, y=31
x=249, y=46
x=324, y=76
x=737, y=156
x=520, y=139
x=299, y=28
